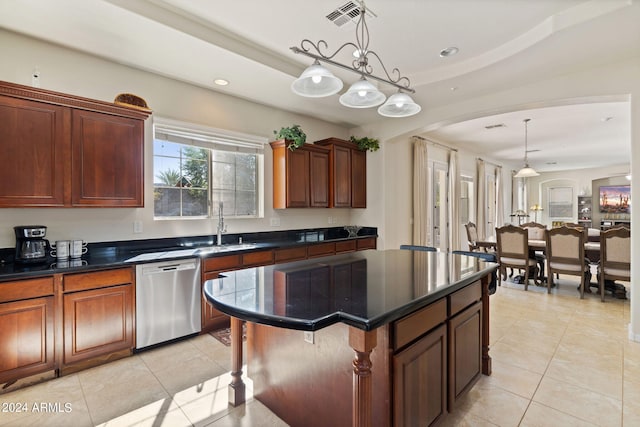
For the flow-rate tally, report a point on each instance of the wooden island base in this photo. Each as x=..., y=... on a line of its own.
x=415, y=368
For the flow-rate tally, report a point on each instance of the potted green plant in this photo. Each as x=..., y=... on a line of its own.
x=365, y=143
x=293, y=134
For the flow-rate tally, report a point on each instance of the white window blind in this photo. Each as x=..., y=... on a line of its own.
x=207, y=137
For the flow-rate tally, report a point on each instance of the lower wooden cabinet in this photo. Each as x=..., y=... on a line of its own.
x=465, y=352
x=26, y=338
x=97, y=315
x=420, y=381
x=213, y=319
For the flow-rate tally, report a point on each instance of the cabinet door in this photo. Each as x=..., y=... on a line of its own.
x=465, y=351
x=341, y=177
x=358, y=179
x=35, y=153
x=26, y=337
x=420, y=381
x=319, y=179
x=297, y=179
x=108, y=160
x=98, y=322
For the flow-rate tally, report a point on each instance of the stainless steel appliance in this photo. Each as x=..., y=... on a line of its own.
x=31, y=246
x=168, y=299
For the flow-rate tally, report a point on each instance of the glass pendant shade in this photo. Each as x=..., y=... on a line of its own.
x=362, y=94
x=399, y=105
x=526, y=172
x=316, y=82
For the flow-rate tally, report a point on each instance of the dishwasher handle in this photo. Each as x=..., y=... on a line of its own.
x=159, y=268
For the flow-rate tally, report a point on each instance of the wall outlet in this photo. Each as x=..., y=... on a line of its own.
x=137, y=226
x=275, y=222
x=329, y=220
x=309, y=336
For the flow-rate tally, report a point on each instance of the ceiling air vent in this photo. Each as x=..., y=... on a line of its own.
x=347, y=13
x=500, y=125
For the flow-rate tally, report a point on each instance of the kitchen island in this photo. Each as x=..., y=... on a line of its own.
x=391, y=337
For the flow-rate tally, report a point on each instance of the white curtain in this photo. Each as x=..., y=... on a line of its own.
x=454, y=202
x=420, y=192
x=481, y=201
x=499, y=198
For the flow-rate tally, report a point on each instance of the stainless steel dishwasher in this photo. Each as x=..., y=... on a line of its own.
x=168, y=299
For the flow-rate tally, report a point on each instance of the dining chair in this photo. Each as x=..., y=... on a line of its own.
x=474, y=243
x=536, y=231
x=565, y=254
x=418, y=248
x=615, y=256
x=513, y=252
x=472, y=236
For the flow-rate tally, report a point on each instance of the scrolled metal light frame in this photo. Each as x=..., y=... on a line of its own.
x=359, y=65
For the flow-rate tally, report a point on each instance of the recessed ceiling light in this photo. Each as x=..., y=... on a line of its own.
x=221, y=82
x=450, y=51
x=454, y=88
x=552, y=163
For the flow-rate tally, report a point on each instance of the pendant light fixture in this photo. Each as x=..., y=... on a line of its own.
x=399, y=105
x=362, y=94
x=526, y=171
x=317, y=81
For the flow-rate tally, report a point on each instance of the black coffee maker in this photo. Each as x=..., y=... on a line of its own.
x=31, y=246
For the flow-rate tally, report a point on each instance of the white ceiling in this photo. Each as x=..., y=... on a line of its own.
x=503, y=43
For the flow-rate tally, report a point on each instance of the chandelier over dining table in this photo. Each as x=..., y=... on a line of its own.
x=317, y=81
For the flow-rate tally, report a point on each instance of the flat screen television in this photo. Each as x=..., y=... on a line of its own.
x=615, y=199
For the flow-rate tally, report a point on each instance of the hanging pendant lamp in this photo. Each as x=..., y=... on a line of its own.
x=399, y=105
x=362, y=94
x=526, y=171
x=316, y=82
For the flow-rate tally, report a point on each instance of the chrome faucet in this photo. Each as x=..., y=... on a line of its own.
x=221, y=226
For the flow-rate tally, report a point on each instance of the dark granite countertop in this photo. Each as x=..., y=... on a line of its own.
x=121, y=253
x=364, y=289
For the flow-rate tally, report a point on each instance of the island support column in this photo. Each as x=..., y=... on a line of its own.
x=486, y=359
x=362, y=342
x=236, y=387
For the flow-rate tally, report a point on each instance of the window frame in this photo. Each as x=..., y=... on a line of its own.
x=212, y=140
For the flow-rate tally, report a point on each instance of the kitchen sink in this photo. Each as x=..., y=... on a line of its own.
x=226, y=248
x=206, y=250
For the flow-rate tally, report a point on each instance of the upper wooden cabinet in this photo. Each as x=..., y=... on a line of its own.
x=300, y=176
x=36, y=153
x=61, y=150
x=347, y=174
x=108, y=160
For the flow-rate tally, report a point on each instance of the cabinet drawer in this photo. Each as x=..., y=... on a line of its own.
x=464, y=297
x=321, y=249
x=290, y=254
x=413, y=326
x=257, y=258
x=222, y=263
x=345, y=246
x=97, y=279
x=367, y=243
x=25, y=289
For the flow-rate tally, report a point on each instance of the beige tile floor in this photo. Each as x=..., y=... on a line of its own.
x=557, y=361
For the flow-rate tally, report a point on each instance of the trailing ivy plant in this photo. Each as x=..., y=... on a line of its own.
x=365, y=143
x=294, y=134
